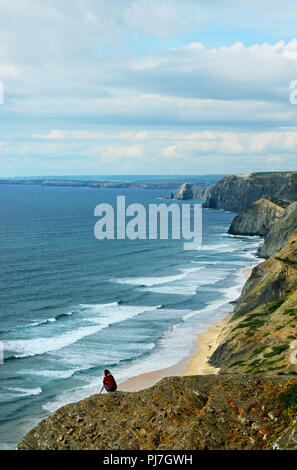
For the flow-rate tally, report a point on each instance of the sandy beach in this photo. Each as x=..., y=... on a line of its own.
x=194, y=364
x=208, y=343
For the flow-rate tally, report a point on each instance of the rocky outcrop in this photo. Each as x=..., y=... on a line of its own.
x=237, y=192
x=191, y=191
x=257, y=219
x=280, y=232
x=259, y=335
x=197, y=412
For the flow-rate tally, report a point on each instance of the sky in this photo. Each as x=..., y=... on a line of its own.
x=147, y=87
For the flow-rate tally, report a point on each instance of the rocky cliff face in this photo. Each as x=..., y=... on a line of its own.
x=262, y=330
x=257, y=219
x=191, y=191
x=198, y=412
x=280, y=232
x=237, y=192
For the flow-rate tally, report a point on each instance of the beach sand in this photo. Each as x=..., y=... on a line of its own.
x=208, y=343
x=194, y=364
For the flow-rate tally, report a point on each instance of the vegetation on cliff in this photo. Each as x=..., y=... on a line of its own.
x=263, y=327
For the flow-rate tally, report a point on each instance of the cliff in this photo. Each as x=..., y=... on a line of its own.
x=191, y=191
x=279, y=232
x=257, y=219
x=237, y=192
x=196, y=412
x=262, y=331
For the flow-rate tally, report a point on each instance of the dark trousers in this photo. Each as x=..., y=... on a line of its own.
x=109, y=389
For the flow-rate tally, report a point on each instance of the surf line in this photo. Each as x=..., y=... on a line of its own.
x=157, y=221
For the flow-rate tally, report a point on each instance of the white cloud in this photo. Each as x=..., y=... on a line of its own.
x=177, y=143
x=61, y=135
x=83, y=65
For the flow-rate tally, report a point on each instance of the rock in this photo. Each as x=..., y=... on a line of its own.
x=237, y=192
x=280, y=232
x=271, y=416
x=168, y=416
x=191, y=191
x=257, y=219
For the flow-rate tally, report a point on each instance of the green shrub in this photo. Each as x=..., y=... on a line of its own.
x=255, y=362
x=259, y=350
x=237, y=363
x=277, y=350
x=289, y=395
x=275, y=305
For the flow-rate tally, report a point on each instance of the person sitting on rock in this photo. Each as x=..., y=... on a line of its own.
x=109, y=383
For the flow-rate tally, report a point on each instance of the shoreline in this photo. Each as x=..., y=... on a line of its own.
x=195, y=363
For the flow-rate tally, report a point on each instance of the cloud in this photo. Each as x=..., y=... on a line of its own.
x=232, y=85
x=61, y=135
x=179, y=143
x=115, y=153
x=141, y=84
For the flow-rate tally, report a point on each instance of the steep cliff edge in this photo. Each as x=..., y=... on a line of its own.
x=191, y=191
x=279, y=232
x=237, y=192
x=257, y=219
x=262, y=330
x=196, y=412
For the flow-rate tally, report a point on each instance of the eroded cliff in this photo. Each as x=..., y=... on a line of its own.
x=257, y=219
x=280, y=232
x=262, y=331
x=237, y=192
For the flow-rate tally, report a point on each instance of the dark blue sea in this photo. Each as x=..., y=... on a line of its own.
x=71, y=305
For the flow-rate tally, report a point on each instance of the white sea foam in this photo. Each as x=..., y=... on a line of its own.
x=153, y=281
x=58, y=374
x=222, y=247
x=102, y=315
x=174, y=290
x=42, y=322
x=248, y=237
x=26, y=391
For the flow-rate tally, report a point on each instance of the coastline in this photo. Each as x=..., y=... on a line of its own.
x=196, y=363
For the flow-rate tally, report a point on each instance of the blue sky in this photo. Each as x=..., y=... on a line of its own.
x=138, y=87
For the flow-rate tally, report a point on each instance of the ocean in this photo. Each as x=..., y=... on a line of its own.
x=71, y=305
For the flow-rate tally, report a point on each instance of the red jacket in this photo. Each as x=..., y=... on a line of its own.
x=109, y=381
